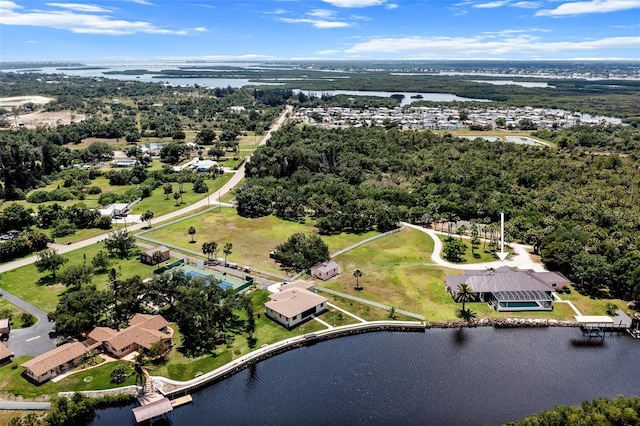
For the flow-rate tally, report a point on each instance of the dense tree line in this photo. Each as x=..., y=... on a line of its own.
x=577, y=209
x=620, y=411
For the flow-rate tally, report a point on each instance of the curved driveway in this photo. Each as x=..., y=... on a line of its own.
x=33, y=340
x=38, y=339
x=519, y=259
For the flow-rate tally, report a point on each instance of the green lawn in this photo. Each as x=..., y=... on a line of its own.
x=180, y=367
x=252, y=239
x=588, y=305
x=362, y=310
x=12, y=382
x=160, y=204
x=37, y=288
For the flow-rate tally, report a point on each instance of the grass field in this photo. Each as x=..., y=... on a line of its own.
x=252, y=239
x=160, y=204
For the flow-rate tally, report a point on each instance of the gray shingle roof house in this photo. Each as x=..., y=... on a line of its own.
x=508, y=289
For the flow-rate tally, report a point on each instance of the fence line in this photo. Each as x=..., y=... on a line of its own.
x=358, y=244
x=368, y=302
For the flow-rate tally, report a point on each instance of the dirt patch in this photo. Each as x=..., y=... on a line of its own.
x=15, y=101
x=43, y=118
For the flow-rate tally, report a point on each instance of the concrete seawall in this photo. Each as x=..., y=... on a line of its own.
x=173, y=388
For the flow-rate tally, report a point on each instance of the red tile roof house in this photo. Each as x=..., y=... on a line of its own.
x=56, y=361
x=294, y=304
x=325, y=270
x=143, y=331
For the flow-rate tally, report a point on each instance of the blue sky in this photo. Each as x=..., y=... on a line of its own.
x=107, y=30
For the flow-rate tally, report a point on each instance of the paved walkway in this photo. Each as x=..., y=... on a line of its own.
x=346, y=312
x=557, y=298
x=326, y=324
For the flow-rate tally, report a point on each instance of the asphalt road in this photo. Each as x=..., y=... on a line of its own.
x=34, y=340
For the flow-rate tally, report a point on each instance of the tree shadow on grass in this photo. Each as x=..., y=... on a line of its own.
x=47, y=280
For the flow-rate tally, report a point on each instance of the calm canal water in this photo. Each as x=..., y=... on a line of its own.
x=442, y=377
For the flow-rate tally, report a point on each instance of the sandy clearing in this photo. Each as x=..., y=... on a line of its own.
x=21, y=100
x=43, y=118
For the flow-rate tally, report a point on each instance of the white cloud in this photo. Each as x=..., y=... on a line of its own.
x=322, y=13
x=391, y=6
x=355, y=3
x=8, y=5
x=78, y=7
x=328, y=52
x=594, y=6
x=200, y=29
x=491, y=5
x=143, y=2
x=317, y=23
x=206, y=6
x=486, y=46
x=81, y=23
x=526, y=4
x=33, y=41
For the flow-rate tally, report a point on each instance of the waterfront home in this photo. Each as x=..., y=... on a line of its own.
x=147, y=255
x=144, y=330
x=56, y=361
x=508, y=289
x=294, y=304
x=325, y=270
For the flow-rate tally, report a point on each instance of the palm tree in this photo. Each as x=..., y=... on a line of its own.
x=466, y=314
x=461, y=230
x=357, y=273
x=138, y=369
x=176, y=197
x=192, y=232
x=464, y=294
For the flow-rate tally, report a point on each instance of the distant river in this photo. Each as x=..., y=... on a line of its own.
x=442, y=377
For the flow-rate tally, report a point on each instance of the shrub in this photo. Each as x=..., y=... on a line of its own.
x=108, y=198
x=94, y=190
x=61, y=194
x=39, y=196
x=119, y=375
x=27, y=319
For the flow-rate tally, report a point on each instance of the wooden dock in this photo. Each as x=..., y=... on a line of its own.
x=181, y=401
